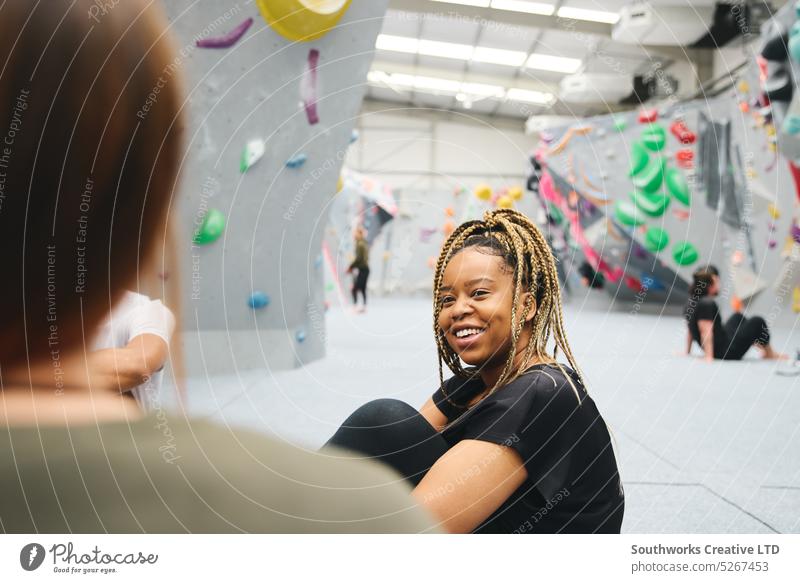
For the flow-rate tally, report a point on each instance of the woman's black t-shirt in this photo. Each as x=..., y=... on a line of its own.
x=573, y=483
x=705, y=308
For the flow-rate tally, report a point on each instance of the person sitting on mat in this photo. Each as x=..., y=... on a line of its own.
x=704, y=323
x=512, y=443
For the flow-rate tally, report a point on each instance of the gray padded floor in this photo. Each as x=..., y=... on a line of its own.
x=702, y=447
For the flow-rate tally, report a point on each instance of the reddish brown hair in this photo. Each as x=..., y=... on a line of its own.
x=89, y=155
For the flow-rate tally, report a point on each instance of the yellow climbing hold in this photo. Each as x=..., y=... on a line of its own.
x=515, y=192
x=773, y=211
x=483, y=192
x=505, y=202
x=303, y=20
x=339, y=184
x=796, y=300
x=743, y=86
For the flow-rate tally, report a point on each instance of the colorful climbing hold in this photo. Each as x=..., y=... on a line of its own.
x=296, y=161
x=329, y=287
x=652, y=177
x=308, y=86
x=301, y=336
x=211, y=228
x=654, y=137
x=796, y=300
x=685, y=158
x=354, y=135
x=339, y=184
x=639, y=159
x=258, y=300
x=302, y=20
x=773, y=211
x=737, y=258
x=483, y=192
x=737, y=305
x=556, y=216
x=743, y=86
x=431, y=261
x=227, y=40
x=656, y=239
x=515, y=192
x=449, y=211
x=448, y=228
x=252, y=153
x=684, y=134
x=505, y=202
x=791, y=125
x=678, y=187
x=628, y=214
x=620, y=123
x=684, y=253
x=648, y=115
x=653, y=204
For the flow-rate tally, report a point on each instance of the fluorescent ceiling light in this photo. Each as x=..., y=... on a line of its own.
x=586, y=14
x=434, y=48
x=528, y=96
x=482, y=90
x=522, y=6
x=436, y=84
x=499, y=56
x=480, y=3
x=553, y=63
x=400, y=44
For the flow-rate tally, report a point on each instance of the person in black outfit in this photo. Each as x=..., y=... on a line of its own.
x=512, y=443
x=361, y=263
x=730, y=341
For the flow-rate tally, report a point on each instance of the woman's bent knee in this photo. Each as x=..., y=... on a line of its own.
x=380, y=413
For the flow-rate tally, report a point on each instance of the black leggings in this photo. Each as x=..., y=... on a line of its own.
x=743, y=333
x=396, y=434
x=360, y=285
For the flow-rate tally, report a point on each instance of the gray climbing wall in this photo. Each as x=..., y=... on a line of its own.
x=743, y=200
x=275, y=215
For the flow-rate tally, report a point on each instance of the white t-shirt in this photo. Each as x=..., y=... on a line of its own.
x=134, y=315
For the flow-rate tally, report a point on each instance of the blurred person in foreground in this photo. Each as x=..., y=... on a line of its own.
x=89, y=164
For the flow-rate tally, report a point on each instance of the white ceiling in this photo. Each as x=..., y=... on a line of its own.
x=597, y=54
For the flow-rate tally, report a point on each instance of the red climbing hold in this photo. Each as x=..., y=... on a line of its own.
x=684, y=134
x=685, y=159
x=648, y=115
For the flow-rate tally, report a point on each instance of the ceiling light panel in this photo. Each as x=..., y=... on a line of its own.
x=523, y=6
x=553, y=63
x=400, y=44
x=527, y=96
x=587, y=14
x=479, y=3
x=499, y=56
x=433, y=48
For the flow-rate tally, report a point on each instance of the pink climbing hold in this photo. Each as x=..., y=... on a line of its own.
x=308, y=88
x=227, y=40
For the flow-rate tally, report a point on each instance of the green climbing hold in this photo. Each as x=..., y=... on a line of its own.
x=651, y=203
x=627, y=213
x=656, y=239
x=329, y=287
x=652, y=177
x=555, y=214
x=684, y=253
x=654, y=137
x=677, y=186
x=620, y=123
x=639, y=159
x=211, y=229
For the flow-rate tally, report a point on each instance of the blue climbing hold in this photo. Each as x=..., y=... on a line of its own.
x=318, y=261
x=258, y=300
x=791, y=125
x=296, y=161
x=301, y=336
x=353, y=136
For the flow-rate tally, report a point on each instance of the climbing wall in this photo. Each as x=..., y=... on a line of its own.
x=649, y=196
x=273, y=91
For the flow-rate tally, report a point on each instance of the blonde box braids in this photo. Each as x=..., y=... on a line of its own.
x=535, y=266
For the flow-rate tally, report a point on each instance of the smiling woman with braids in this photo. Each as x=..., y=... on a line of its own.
x=512, y=443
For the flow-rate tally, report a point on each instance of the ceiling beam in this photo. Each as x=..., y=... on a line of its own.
x=508, y=17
